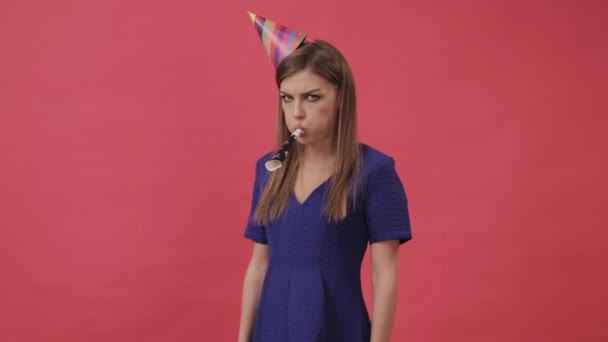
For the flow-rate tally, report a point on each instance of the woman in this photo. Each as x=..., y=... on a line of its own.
x=311, y=219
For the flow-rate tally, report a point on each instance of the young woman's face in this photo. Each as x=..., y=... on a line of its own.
x=309, y=102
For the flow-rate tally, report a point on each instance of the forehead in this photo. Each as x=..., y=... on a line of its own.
x=303, y=81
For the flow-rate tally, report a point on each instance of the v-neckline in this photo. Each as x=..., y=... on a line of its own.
x=301, y=204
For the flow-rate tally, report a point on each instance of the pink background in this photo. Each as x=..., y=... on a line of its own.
x=129, y=131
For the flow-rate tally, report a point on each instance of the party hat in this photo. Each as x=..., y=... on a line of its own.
x=279, y=41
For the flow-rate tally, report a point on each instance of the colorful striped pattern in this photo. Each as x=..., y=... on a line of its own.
x=279, y=41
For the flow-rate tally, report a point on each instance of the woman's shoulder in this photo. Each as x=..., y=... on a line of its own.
x=263, y=158
x=373, y=159
x=260, y=161
x=378, y=171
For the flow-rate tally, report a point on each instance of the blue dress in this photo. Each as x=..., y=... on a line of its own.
x=312, y=289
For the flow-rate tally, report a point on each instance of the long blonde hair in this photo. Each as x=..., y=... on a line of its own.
x=326, y=61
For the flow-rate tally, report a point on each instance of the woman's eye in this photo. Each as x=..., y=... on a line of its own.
x=312, y=97
x=286, y=98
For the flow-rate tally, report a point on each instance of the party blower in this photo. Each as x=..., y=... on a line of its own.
x=279, y=157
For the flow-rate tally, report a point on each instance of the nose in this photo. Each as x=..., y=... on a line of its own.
x=297, y=110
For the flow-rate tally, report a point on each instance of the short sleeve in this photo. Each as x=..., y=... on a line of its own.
x=253, y=231
x=386, y=211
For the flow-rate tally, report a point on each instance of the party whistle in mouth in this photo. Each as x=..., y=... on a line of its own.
x=277, y=159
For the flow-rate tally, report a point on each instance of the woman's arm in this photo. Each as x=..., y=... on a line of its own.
x=252, y=289
x=384, y=288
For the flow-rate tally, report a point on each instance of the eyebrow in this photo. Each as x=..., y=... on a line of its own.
x=305, y=93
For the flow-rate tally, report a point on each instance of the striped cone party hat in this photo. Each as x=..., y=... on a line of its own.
x=279, y=41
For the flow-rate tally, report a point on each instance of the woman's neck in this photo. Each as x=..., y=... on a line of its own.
x=318, y=153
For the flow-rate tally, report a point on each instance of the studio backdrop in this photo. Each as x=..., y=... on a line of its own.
x=129, y=131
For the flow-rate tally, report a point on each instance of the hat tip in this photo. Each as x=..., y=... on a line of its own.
x=251, y=15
